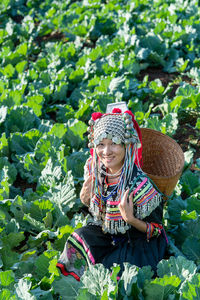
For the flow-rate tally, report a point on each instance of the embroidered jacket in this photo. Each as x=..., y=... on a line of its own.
x=146, y=199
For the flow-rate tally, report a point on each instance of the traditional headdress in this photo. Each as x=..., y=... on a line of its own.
x=121, y=128
x=116, y=126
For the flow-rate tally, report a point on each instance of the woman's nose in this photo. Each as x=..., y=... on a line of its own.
x=107, y=150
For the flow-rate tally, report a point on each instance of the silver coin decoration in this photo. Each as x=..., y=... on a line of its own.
x=116, y=127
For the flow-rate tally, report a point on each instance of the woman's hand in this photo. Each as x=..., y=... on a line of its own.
x=126, y=207
x=127, y=211
x=86, y=190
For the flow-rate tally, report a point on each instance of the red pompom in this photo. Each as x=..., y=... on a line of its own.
x=96, y=116
x=116, y=111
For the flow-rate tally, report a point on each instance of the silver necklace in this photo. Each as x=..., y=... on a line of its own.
x=112, y=175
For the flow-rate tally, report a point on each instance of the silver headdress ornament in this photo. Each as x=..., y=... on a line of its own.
x=117, y=127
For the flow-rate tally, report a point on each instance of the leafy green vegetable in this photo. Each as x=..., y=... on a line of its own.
x=59, y=62
x=162, y=288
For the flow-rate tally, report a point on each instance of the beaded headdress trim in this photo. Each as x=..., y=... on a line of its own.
x=117, y=127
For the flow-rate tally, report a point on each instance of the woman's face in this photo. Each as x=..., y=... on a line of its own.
x=111, y=154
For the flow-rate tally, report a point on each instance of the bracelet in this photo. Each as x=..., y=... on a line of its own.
x=153, y=229
x=149, y=230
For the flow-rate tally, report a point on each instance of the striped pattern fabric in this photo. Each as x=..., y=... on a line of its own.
x=146, y=197
x=79, y=244
x=112, y=211
x=144, y=192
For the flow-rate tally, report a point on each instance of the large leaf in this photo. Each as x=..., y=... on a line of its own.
x=63, y=194
x=11, y=170
x=128, y=284
x=23, y=143
x=76, y=162
x=4, y=151
x=7, y=277
x=190, y=290
x=51, y=175
x=22, y=290
x=190, y=182
x=175, y=206
x=20, y=119
x=180, y=266
x=42, y=263
x=191, y=248
x=67, y=287
x=161, y=288
x=9, y=257
x=97, y=280
x=74, y=135
x=35, y=102
x=7, y=295
x=31, y=164
x=193, y=203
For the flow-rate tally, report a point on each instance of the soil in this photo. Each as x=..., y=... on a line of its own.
x=23, y=184
x=53, y=36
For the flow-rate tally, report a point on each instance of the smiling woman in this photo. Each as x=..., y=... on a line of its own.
x=126, y=207
x=111, y=155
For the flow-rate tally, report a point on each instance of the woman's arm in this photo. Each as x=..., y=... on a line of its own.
x=85, y=194
x=151, y=228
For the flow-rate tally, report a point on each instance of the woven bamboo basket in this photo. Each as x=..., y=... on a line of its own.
x=163, y=159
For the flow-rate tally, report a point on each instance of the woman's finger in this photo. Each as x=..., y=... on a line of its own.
x=124, y=199
x=88, y=182
x=131, y=197
x=123, y=202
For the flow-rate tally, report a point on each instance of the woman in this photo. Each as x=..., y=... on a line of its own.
x=127, y=209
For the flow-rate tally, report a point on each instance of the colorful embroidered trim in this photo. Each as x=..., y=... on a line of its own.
x=139, y=186
x=77, y=241
x=65, y=273
x=142, y=191
x=88, y=253
x=147, y=197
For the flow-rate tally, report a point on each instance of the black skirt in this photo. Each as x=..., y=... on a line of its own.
x=90, y=245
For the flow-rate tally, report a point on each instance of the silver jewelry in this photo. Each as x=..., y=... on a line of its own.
x=112, y=175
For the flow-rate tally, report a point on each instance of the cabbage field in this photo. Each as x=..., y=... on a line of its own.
x=60, y=60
